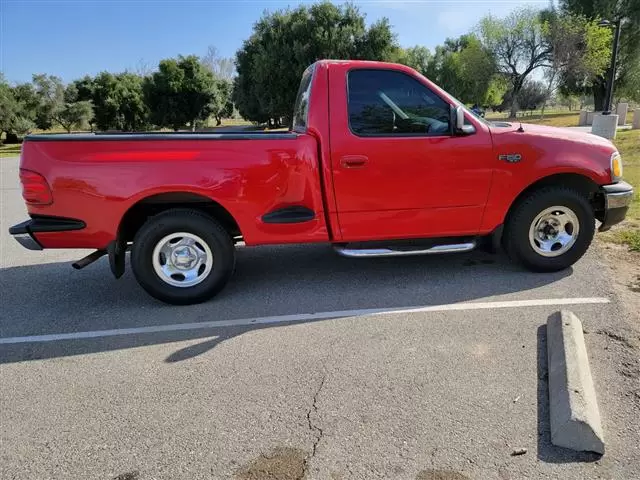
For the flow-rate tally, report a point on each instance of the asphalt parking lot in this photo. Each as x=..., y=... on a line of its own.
x=388, y=377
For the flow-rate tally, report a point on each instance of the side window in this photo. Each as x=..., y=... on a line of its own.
x=388, y=103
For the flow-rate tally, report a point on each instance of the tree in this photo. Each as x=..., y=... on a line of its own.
x=50, y=92
x=16, y=114
x=519, y=45
x=630, y=89
x=532, y=95
x=581, y=51
x=417, y=57
x=119, y=101
x=222, y=67
x=73, y=113
x=569, y=101
x=467, y=70
x=223, y=70
x=86, y=87
x=628, y=11
x=224, y=107
x=181, y=92
x=284, y=43
x=496, y=90
x=60, y=104
x=477, y=72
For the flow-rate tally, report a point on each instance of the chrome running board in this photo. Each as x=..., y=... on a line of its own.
x=389, y=252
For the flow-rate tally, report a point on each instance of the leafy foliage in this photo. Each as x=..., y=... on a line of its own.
x=284, y=43
x=71, y=112
x=532, y=95
x=223, y=68
x=417, y=57
x=461, y=66
x=519, y=45
x=16, y=117
x=59, y=104
x=181, y=92
x=628, y=64
x=581, y=50
x=118, y=101
x=224, y=107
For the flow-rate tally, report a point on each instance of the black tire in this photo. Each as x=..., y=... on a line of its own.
x=516, y=236
x=189, y=221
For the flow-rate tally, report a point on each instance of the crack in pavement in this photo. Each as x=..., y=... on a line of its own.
x=317, y=430
x=624, y=340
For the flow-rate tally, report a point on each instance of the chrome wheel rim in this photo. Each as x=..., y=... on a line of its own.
x=554, y=231
x=182, y=259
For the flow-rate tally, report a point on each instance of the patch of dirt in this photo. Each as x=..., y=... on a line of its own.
x=431, y=474
x=282, y=463
x=635, y=396
x=625, y=271
x=630, y=370
x=618, y=338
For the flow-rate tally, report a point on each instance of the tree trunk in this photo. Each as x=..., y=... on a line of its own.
x=517, y=86
x=218, y=121
x=193, y=125
x=11, y=138
x=548, y=95
x=514, y=107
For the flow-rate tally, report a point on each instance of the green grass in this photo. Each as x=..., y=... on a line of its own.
x=12, y=150
x=629, y=237
x=628, y=232
x=553, y=118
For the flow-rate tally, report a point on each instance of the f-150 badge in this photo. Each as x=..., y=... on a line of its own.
x=510, y=157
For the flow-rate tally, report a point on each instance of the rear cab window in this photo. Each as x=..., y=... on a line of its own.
x=301, y=108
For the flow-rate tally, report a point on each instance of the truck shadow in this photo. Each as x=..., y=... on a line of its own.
x=53, y=298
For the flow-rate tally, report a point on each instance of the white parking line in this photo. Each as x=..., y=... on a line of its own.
x=304, y=317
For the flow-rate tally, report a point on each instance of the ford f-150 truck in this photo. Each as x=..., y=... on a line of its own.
x=379, y=161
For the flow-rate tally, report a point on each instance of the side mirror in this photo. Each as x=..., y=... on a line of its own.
x=460, y=127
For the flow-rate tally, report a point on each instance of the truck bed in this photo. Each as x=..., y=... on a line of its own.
x=100, y=178
x=148, y=136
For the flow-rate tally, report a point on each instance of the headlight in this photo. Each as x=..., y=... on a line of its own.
x=616, y=167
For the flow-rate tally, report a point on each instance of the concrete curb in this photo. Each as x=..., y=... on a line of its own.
x=574, y=415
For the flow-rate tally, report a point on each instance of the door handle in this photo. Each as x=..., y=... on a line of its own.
x=354, y=161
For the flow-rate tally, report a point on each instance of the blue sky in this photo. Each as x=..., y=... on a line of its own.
x=76, y=37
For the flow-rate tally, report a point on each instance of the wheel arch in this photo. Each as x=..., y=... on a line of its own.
x=576, y=181
x=156, y=203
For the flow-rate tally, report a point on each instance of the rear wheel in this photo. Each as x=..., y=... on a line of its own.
x=550, y=229
x=182, y=257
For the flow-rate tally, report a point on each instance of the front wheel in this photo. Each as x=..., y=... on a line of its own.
x=550, y=229
x=182, y=257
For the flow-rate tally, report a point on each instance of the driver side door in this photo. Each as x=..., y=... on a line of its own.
x=398, y=171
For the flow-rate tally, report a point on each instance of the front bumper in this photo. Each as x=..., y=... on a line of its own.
x=617, y=198
x=24, y=232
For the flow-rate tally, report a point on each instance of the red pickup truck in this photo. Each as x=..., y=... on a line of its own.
x=379, y=161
